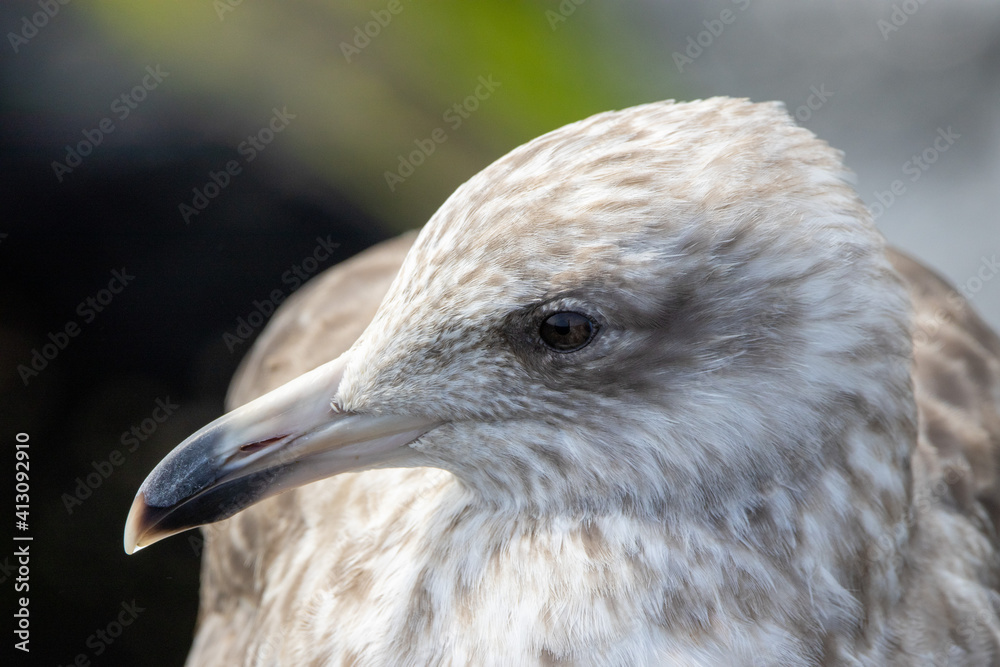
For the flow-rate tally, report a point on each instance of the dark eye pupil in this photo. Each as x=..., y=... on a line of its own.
x=566, y=332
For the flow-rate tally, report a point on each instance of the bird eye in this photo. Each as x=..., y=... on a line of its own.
x=566, y=332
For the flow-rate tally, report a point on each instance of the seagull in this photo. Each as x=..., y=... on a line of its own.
x=650, y=389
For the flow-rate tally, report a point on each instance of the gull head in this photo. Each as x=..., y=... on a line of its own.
x=670, y=311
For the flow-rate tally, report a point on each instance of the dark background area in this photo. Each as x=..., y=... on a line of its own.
x=162, y=337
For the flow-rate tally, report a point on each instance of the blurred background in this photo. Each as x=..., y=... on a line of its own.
x=169, y=169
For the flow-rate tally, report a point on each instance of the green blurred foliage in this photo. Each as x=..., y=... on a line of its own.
x=367, y=80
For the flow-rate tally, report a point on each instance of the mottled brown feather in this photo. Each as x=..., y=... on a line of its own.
x=956, y=378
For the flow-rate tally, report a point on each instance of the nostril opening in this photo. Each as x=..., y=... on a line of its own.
x=251, y=447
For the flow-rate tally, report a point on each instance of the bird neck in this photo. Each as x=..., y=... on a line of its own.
x=589, y=586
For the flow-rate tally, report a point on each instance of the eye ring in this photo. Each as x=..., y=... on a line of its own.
x=567, y=331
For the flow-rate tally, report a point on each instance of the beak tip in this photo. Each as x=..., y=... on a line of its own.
x=134, y=528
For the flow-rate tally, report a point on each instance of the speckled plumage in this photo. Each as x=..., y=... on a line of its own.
x=751, y=464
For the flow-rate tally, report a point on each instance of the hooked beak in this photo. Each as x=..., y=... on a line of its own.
x=289, y=437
